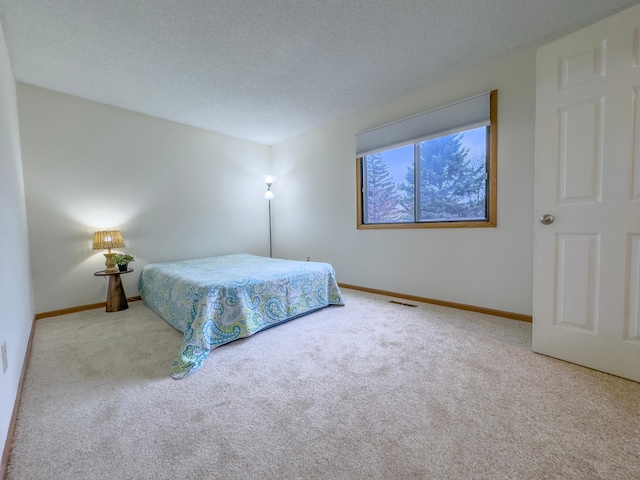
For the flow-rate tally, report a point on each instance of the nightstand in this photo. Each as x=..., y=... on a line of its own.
x=116, y=299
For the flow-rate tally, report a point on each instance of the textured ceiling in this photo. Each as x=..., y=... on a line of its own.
x=268, y=70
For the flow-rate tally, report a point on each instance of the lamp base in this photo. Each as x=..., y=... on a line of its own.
x=110, y=263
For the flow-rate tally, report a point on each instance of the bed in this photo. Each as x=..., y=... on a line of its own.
x=216, y=300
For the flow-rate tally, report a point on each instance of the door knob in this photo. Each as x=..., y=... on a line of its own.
x=547, y=219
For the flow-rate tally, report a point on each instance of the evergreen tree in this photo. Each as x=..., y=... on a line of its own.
x=474, y=187
x=382, y=199
x=407, y=195
x=452, y=186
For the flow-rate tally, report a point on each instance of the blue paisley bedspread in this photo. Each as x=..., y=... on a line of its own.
x=216, y=300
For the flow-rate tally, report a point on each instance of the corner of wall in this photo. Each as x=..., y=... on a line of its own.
x=16, y=291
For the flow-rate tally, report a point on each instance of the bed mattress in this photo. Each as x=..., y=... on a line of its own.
x=216, y=300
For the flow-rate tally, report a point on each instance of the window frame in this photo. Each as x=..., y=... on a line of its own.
x=492, y=186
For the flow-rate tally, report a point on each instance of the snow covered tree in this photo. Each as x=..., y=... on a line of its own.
x=452, y=185
x=382, y=200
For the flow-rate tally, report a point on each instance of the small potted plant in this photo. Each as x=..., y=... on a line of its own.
x=123, y=260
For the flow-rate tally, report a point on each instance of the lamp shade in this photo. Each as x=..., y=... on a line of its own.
x=269, y=179
x=107, y=239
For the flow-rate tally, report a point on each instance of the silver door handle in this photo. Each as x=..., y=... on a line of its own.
x=547, y=219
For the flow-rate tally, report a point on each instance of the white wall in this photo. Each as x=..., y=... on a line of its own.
x=16, y=297
x=188, y=193
x=174, y=191
x=315, y=206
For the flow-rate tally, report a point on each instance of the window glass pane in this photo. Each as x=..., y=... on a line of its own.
x=385, y=186
x=445, y=181
x=452, y=173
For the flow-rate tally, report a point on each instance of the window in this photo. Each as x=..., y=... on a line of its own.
x=444, y=178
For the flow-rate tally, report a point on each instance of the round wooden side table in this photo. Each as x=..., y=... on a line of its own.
x=116, y=299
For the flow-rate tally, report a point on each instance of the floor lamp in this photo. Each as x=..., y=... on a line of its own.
x=269, y=180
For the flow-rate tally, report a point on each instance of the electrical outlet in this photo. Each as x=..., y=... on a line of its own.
x=308, y=258
x=5, y=362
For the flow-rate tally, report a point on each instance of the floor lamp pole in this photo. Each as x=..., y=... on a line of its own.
x=270, y=244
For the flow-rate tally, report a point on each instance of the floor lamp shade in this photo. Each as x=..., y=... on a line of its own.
x=269, y=179
x=108, y=239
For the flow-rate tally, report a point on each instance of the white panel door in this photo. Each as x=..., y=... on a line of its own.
x=586, y=305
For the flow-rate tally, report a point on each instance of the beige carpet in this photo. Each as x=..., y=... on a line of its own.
x=371, y=390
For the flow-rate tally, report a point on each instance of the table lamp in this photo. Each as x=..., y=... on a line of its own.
x=108, y=239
